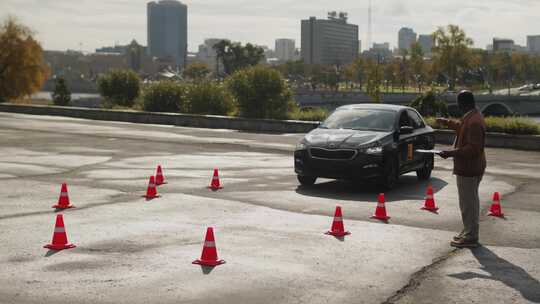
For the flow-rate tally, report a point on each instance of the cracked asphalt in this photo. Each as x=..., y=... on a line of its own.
x=268, y=229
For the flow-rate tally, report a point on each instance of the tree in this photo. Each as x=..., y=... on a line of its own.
x=234, y=56
x=22, y=70
x=61, y=95
x=119, y=87
x=196, y=71
x=451, y=52
x=375, y=73
x=417, y=65
x=429, y=105
x=260, y=92
x=209, y=97
x=165, y=96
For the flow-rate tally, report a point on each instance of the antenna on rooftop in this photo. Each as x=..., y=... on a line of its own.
x=370, y=29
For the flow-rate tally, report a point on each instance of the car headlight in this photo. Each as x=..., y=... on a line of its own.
x=300, y=146
x=374, y=150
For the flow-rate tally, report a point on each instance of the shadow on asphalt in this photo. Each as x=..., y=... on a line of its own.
x=51, y=252
x=503, y=271
x=408, y=188
x=207, y=269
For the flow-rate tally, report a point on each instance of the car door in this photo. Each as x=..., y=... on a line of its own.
x=420, y=139
x=406, y=143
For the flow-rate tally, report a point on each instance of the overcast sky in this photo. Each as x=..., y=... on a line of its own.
x=63, y=24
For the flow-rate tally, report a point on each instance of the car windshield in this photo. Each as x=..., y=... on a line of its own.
x=361, y=119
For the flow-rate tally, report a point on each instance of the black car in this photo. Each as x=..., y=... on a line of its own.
x=371, y=142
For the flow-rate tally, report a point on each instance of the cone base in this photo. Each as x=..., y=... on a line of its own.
x=208, y=263
x=159, y=184
x=337, y=233
x=496, y=214
x=63, y=207
x=380, y=218
x=434, y=209
x=59, y=247
x=151, y=197
x=215, y=188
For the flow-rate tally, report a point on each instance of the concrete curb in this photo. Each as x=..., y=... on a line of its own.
x=495, y=140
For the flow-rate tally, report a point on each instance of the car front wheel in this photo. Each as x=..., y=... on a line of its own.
x=306, y=180
x=391, y=174
x=425, y=172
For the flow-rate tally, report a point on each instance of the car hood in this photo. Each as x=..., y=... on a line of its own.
x=342, y=138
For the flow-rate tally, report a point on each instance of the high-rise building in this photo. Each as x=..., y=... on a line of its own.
x=167, y=30
x=329, y=41
x=285, y=49
x=533, y=44
x=426, y=43
x=406, y=37
x=503, y=45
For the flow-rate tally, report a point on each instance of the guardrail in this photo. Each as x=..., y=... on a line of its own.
x=496, y=140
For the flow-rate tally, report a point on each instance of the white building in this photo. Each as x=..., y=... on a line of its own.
x=285, y=49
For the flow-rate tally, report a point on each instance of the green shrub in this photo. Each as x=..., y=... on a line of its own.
x=309, y=114
x=164, y=96
x=209, y=98
x=119, y=87
x=61, y=95
x=260, y=92
x=427, y=104
x=509, y=125
x=512, y=125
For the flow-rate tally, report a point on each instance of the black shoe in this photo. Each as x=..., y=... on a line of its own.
x=464, y=243
x=457, y=237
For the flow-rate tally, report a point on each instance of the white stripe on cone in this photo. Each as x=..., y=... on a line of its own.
x=209, y=244
x=59, y=229
x=338, y=219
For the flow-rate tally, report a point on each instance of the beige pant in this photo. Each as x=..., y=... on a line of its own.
x=469, y=203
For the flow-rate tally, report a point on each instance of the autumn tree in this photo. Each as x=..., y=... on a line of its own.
x=22, y=70
x=451, y=52
x=196, y=71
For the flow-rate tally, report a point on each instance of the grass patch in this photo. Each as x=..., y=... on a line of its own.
x=509, y=125
x=308, y=114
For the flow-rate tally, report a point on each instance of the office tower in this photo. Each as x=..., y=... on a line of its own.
x=406, y=37
x=330, y=41
x=167, y=30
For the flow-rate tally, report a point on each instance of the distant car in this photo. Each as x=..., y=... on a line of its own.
x=370, y=142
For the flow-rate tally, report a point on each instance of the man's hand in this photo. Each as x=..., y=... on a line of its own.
x=445, y=154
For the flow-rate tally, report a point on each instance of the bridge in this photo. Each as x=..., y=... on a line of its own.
x=490, y=105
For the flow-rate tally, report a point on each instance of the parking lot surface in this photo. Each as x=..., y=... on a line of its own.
x=269, y=230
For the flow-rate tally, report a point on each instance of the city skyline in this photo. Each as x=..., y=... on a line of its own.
x=60, y=25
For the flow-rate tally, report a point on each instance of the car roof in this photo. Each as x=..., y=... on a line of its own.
x=374, y=106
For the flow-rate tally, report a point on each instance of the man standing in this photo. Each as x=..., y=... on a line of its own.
x=469, y=165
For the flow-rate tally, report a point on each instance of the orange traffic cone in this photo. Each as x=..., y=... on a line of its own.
x=160, y=179
x=209, y=256
x=380, y=212
x=495, y=209
x=337, y=225
x=429, y=204
x=63, y=200
x=215, y=184
x=151, y=191
x=59, y=240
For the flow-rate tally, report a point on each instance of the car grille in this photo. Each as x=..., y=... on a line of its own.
x=337, y=154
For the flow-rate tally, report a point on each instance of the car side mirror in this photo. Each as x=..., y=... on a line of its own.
x=406, y=130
